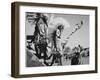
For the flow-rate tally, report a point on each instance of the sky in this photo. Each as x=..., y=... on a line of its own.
x=80, y=37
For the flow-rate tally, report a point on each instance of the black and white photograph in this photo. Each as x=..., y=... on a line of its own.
x=54, y=39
